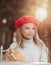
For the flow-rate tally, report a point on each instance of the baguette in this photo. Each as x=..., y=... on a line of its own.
x=13, y=55
x=9, y=57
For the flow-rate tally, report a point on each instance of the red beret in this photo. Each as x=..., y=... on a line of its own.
x=26, y=19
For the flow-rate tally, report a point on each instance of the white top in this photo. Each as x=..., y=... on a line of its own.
x=32, y=52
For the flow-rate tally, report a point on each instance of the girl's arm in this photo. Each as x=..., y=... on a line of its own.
x=8, y=57
x=44, y=54
x=14, y=55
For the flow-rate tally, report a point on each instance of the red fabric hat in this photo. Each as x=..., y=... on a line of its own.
x=26, y=19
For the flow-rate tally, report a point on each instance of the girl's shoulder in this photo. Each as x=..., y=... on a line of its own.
x=13, y=45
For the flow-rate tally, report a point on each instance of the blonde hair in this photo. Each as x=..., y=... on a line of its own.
x=19, y=38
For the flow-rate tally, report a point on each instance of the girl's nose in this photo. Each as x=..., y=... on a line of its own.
x=31, y=30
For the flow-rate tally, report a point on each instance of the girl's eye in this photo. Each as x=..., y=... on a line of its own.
x=33, y=28
x=26, y=28
x=29, y=28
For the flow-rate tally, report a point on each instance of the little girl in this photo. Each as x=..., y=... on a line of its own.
x=27, y=42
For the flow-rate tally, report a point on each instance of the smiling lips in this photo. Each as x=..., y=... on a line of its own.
x=30, y=34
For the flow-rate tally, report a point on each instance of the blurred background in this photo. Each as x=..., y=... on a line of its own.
x=10, y=10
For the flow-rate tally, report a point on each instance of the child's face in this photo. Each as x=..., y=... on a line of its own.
x=28, y=30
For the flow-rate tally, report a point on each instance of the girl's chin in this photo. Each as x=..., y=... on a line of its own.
x=29, y=38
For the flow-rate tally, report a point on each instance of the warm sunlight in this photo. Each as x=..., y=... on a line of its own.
x=41, y=14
